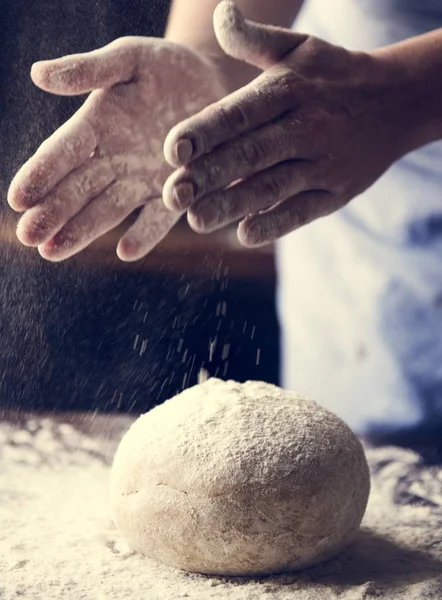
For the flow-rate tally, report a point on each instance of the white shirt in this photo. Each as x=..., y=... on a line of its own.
x=360, y=292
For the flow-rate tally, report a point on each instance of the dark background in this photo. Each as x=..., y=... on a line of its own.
x=93, y=333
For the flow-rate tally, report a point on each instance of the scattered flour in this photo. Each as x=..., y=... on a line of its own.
x=57, y=539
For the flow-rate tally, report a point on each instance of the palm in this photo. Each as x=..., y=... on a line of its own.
x=107, y=161
x=132, y=120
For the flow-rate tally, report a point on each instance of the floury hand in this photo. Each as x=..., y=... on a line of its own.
x=107, y=160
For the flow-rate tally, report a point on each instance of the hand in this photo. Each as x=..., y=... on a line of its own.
x=314, y=130
x=107, y=160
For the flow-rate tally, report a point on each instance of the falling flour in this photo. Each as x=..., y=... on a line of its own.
x=239, y=479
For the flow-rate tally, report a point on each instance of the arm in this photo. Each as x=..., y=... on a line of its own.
x=190, y=24
x=417, y=100
x=307, y=136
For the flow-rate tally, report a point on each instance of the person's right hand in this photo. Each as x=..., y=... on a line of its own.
x=107, y=160
x=314, y=130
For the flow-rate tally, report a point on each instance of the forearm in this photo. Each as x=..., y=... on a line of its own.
x=417, y=63
x=190, y=23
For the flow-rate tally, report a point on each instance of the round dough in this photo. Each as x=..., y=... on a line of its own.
x=239, y=479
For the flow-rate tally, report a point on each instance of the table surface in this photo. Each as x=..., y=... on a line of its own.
x=57, y=539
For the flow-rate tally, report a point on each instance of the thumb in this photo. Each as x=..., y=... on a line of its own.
x=82, y=73
x=260, y=45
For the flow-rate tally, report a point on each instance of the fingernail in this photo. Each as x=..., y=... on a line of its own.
x=251, y=233
x=183, y=195
x=183, y=151
x=206, y=216
x=128, y=250
x=61, y=75
x=196, y=221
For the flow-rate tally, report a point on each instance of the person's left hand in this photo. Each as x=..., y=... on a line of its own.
x=107, y=161
x=314, y=130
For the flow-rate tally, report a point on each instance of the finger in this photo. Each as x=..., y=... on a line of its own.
x=263, y=228
x=104, y=213
x=260, y=45
x=40, y=223
x=258, y=103
x=261, y=191
x=81, y=73
x=240, y=158
x=152, y=225
x=69, y=147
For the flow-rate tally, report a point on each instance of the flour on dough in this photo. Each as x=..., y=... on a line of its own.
x=239, y=479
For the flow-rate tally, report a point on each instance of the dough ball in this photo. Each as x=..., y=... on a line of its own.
x=239, y=479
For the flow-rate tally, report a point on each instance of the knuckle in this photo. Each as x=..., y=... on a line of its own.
x=234, y=117
x=286, y=81
x=271, y=188
x=313, y=53
x=206, y=177
x=124, y=42
x=317, y=176
x=53, y=211
x=225, y=210
x=300, y=214
x=342, y=189
x=250, y=152
x=278, y=227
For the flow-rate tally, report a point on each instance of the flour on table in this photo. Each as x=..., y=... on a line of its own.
x=57, y=539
